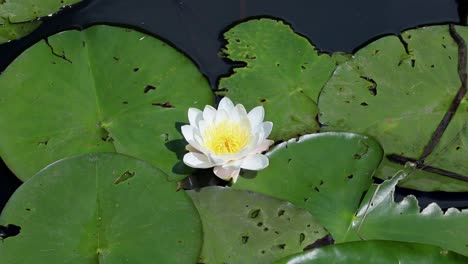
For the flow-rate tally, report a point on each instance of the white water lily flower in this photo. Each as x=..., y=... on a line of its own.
x=227, y=139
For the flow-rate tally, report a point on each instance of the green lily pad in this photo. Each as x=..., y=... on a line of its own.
x=398, y=91
x=324, y=173
x=9, y=31
x=376, y=252
x=247, y=227
x=284, y=72
x=18, y=17
x=380, y=217
x=81, y=92
x=101, y=208
x=17, y=11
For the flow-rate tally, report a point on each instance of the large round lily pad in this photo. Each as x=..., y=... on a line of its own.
x=383, y=252
x=283, y=72
x=97, y=90
x=247, y=227
x=324, y=173
x=101, y=208
x=400, y=91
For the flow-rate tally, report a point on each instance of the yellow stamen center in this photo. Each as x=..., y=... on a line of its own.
x=226, y=137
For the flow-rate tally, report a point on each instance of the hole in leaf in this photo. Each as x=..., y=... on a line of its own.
x=125, y=176
x=43, y=143
x=149, y=88
x=281, y=212
x=324, y=241
x=364, y=104
x=350, y=176
x=245, y=239
x=262, y=100
x=265, y=229
x=116, y=58
x=281, y=246
x=163, y=104
x=124, y=102
x=301, y=238
x=9, y=231
x=413, y=63
x=259, y=224
x=254, y=213
x=136, y=69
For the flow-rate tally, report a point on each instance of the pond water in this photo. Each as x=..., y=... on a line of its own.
x=195, y=27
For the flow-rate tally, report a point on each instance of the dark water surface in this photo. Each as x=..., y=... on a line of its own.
x=195, y=27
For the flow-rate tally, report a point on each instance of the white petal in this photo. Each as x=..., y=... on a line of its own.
x=194, y=115
x=226, y=173
x=191, y=136
x=197, y=160
x=209, y=113
x=256, y=116
x=238, y=113
x=215, y=159
x=191, y=148
x=226, y=105
x=202, y=125
x=265, y=145
x=255, y=162
x=187, y=132
x=267, y=127
x=221, y=115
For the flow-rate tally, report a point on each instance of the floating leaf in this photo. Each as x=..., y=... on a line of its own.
x=81, y=92
x=9, y=31
x=381, y=252
x=18, y=17
x=104, y=207
x=284, y=72
x=401, y=92
x=380, y=217
x=17, y=11
x=325, y=174
x=247, y=227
